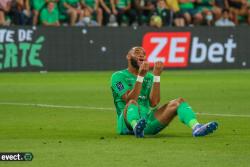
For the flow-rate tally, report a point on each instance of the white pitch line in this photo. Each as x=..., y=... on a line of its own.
x=224, y=115
x=54, y=106
x=102, y=108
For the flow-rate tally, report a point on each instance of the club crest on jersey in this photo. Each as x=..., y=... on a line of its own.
x=120, y=86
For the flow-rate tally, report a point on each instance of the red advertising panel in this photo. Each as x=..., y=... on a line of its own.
x=172, y=48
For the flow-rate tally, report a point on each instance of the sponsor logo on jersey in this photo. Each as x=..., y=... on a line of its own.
x=119, y=86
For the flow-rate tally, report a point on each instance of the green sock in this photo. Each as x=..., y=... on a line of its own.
x=192, y=123
x=187, y=115
x=133, y=115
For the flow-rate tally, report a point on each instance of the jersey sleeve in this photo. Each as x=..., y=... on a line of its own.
x=119, y=85
x=43, y=16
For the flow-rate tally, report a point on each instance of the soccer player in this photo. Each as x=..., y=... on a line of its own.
x=136, y=94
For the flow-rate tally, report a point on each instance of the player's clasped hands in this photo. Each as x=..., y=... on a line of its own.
x=158, y=68
x=144, y=68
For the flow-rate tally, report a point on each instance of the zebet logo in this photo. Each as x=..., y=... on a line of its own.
x=18, y=49
x=176, y=50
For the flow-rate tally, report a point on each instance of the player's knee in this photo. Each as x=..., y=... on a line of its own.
x=174, y=104
x=180, y=100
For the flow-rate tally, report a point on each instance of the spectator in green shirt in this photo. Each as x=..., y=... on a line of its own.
x=187, y=8
x=106, y=8
x=144, y=10
x=21, y=13
x=122, y=10
x=208, y=9
x=5, y=6
x=50, y=15
x=239, y=10
x=74, y=9
x=93, y=7
x=37, y=6
x=162, y=11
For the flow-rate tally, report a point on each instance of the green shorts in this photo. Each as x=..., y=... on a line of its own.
x=153, y=125
x=191, y=11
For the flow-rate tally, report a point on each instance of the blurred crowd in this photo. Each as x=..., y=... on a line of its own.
x=156, y=13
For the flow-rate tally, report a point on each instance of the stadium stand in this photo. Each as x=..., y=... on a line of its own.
x=157, y=13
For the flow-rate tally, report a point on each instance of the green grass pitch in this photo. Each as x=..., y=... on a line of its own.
x=71, y=134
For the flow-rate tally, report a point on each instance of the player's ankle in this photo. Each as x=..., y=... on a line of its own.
x=195, y=125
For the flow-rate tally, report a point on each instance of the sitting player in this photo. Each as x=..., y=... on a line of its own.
x=136, y=95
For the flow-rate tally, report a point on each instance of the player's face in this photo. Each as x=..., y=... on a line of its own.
x=137, y=57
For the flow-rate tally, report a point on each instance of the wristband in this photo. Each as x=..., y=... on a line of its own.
x=139, y=79
x=157, y=78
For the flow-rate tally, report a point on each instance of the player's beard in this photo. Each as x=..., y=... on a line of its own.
x=134, y=63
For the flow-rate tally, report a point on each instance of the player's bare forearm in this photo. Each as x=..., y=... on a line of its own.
x=155, y=96
x=134, y=93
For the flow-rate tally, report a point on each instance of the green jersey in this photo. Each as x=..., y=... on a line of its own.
x=90, y=3
x=49, y=17
x=38, y=4
x=123, y=81
x=205, y=3
x=186, y=5
x=107, y=2
x=123, y=3
x=72, y=2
